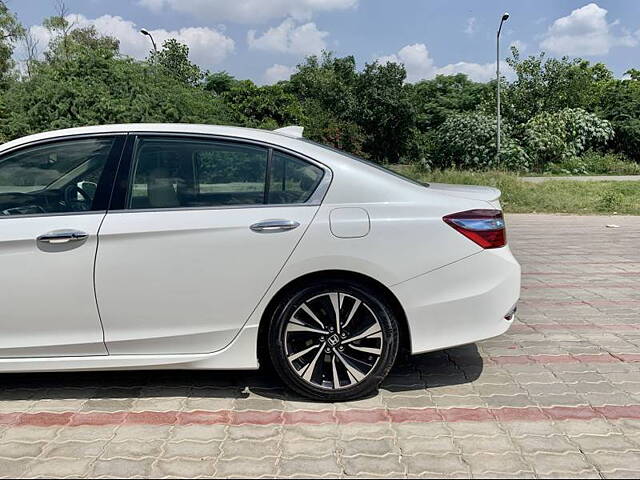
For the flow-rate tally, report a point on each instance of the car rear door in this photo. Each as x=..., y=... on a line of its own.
x=53, y=198
x=197, y=234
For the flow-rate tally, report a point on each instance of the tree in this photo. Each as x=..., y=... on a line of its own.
x=385, y=111
x=548, y=85
x=270, y=106
x=327, y=81
x=325, y=87
x=173, y=58
x=219, y=82
x=84, y=81
x=620, y=104
x=435, y=100
x=10, y=32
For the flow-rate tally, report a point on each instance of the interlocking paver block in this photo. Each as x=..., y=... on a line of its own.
x=382, y=465
x=605, y=443
x=437, y=445
x=122, y=467
x=612, y=461
x=60, y=467
x=507, y=463
x=72, y=449
x=183, y=467
x=435, y=465
x=309, y=447
x=306, y=466
x=188, y=449
x=551, y=463
x=498, y=444
x=21, y=449
x=13, y=468
x=250, y=448
x=424, y=430
x=534, y=444
x=366, y=446
x=247, y=467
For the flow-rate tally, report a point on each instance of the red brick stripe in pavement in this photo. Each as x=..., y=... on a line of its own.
x=569, y=303
x=542, y=286
x=303, y=417
x=579, y=274
x=565, y=358
x=527, y=327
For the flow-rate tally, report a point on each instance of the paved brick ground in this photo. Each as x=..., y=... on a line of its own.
x=558, y=396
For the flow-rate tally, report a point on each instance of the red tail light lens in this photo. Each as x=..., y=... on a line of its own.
x=485, y=227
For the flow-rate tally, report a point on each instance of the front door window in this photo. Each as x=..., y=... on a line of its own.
x=60, y=177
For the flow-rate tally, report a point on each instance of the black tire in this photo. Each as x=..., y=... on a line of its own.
x=344, y=363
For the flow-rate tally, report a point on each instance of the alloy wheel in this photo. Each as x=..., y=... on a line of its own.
x=333, y=340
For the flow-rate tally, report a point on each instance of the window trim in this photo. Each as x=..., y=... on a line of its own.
x=107, y=178
x=119, y=200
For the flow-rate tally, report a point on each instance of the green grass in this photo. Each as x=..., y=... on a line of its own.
x=555, y=196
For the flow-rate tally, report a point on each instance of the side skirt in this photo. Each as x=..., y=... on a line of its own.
x=240, y=354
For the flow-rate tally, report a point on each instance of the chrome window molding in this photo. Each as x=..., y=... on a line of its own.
x=53, y=214
x=217, y=207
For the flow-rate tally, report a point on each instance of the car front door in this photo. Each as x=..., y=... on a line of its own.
x=53, y=197
x=203, y=230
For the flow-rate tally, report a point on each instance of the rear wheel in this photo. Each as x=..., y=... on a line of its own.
x=333, y=341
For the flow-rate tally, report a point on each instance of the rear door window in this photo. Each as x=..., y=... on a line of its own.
x=186, y=173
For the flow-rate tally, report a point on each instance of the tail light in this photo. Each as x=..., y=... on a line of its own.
x=485, y=227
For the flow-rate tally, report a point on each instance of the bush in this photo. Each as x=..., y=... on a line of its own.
x=595, y=163
x=564, y=135
x=468, y=140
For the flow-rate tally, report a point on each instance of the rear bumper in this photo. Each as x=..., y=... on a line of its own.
x=461, y=303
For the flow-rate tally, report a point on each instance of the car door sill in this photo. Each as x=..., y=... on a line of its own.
x=233, y=357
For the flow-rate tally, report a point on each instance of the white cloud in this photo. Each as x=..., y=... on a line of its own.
x=207, y=46
x=249, y=11
x=480, y=72
x=416, y=59
x=277, y=72
x=288, y=38
x=471, y=26
x=421, y=66
x=585, y=32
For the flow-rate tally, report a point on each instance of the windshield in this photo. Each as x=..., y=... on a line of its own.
x=367, y=162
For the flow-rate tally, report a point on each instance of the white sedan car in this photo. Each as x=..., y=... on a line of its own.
x=202, y=247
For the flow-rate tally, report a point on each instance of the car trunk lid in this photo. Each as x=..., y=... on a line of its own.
x=472, y=192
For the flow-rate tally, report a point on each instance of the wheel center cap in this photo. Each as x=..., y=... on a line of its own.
x=333, y=340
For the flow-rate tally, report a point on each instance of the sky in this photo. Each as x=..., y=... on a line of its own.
x=265, y=39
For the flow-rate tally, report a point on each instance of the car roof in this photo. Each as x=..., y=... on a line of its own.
x=230, y=131
x=281, y=139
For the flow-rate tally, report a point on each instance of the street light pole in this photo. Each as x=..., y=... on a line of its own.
x=146, y=32
x=504, y=18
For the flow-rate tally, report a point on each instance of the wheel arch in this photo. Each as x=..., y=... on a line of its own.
x=319, y=276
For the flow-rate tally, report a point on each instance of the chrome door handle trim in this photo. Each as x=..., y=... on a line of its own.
x=63, y=236
x=273, y=226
